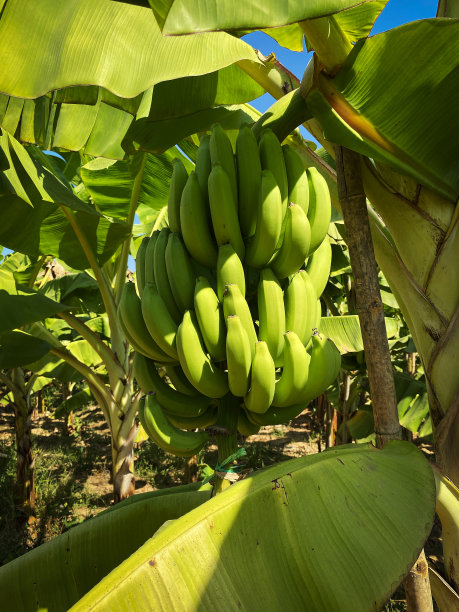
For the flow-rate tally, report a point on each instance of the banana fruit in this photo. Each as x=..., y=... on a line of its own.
x=166, y=435
x=228, y=296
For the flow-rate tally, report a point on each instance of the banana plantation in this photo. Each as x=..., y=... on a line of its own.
x=193, y=276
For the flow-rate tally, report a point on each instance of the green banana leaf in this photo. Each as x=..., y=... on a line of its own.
x=150, y=135
x=110, y=184
x=346, y=333
x=293, y=537
x=77, y=401
x=189, y=16
x=355, y=22
x=55, y=575
x=52, y=45
x=73, y=290
x=35, y=209
x=390, y=88
x=18, y=348
x=22, y=309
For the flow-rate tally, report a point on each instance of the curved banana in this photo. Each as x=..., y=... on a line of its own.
x=182, y=277
x=323, y=368
x=297, y=179
x=149, y=262
x=211, y=322
x=159, y=322
x=234, y=303
x=245, y=427
x=300, y=306
x=275, y=416
x=176, y=403
x=194, y=223
x=200, y=370
x=290, y=386
x=224, y=212
x=248, y=179
x=221, y=152
x=238, y=357
x=229, y=270
x=161, y=277
x=272, y=158
x=140, y=266
x=294, y=248
x=319, y=212
x=268, y=228
x=271, y=314
x=203, y=165
x=134, y=328
x=178, y=182
x=262, y=380
x=179, y=380
x=319, y=264
x=206, y=419
x=165, y=434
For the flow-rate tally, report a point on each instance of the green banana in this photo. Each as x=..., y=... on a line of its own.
x=194, y=223
x=179, y=380
x=198, y=367
x=319, y=212
x=159, y=322
x=176, y=403
x=297, y=178
x=319, y=264
x=291, y=255
x=134, y=328
x=206, y=419
x=271, y=314
x=209, y=313
x=323, y=369
x=165, y=434
x=245, y=427
x=238, y=357
x=178, y=182
x=274, y=415
x=272, y=158
x=149, y=262
x=262, y=380
x=221, y=152
x=248, y=179
x=229, y=270
x=180, y=271
x=290, y=386
x=263, y=243
x=140, y=266
x=203, y=165
x=234, y=303
x=223, y=210
x=300, y=306
x=161, y=277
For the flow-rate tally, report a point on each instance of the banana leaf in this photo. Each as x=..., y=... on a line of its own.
x=189, y=16
x=37, y=209
x=293, y=537
x=346, y=333
x=56, y=574
x=389, y=89
x=18, y=348
x=52, y=45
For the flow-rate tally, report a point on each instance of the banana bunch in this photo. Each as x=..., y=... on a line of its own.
x=227, y=298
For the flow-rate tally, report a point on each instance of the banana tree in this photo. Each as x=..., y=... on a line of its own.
x=154, y=132
x=410, y=181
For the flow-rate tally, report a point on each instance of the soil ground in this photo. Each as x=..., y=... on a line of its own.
x=73, y=480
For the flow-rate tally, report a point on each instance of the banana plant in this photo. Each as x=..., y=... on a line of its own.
x=410, y=181
x=352, y=21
